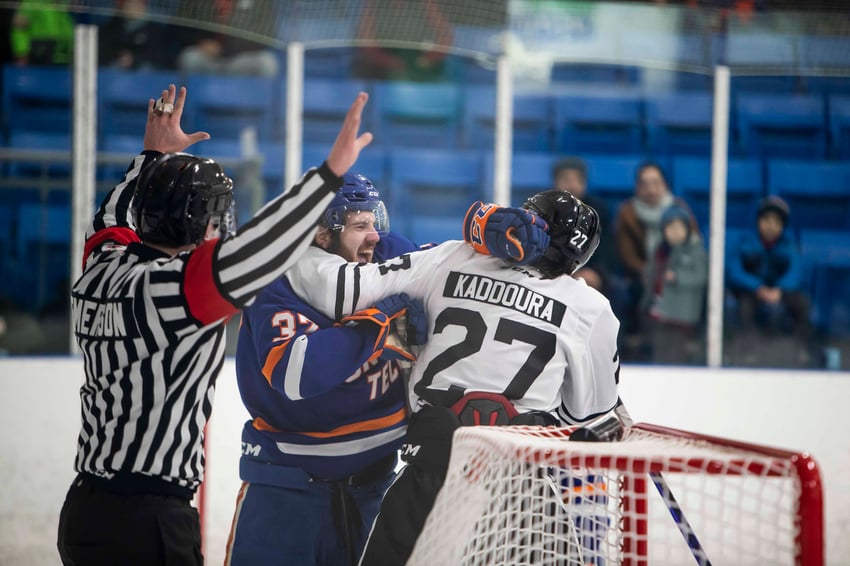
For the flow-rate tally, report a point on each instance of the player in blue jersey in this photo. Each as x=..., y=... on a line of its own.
x=327, y=400
x=327, y=406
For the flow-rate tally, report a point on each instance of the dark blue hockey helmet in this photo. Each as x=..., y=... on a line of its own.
x=573, y=230
x=177, y=196
x=356, y=195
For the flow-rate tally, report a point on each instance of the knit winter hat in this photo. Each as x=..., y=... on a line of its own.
x=773, y=203
x=675, y=212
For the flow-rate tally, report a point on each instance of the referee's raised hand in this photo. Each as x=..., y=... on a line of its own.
x=163, y=132
x=348, y=142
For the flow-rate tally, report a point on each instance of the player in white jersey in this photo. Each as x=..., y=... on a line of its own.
x=507, y=344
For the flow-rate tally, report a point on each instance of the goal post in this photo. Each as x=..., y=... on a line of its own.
x=661, y=496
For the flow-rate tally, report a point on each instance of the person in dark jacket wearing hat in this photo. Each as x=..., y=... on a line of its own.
x=764, y=274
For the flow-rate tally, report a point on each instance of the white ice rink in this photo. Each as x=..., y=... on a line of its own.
x=39, y=419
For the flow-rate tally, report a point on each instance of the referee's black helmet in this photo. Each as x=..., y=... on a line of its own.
x=177, y=195
x=573, y=231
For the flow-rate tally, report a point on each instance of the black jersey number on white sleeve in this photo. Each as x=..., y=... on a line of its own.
x=507, y=332
x=395, y=264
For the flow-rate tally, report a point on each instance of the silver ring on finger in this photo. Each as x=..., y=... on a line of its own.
x=163, y=107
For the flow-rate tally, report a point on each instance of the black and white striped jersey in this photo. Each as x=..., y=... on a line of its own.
x=151, y=327
x=546, y=344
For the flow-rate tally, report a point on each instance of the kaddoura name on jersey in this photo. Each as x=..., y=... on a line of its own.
x=547, y=344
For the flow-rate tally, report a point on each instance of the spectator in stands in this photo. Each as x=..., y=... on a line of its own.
x=402, y=20
x=674, y=289
x=764, y=274
x=42, y=35
x=130, y=40
x=570, y=175
x=637, y=231
x=225, y=53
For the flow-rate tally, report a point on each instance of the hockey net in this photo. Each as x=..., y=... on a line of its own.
x=524, y=495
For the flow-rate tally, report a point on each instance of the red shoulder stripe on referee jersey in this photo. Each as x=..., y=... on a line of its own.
x=121, y=235
x=205, y=301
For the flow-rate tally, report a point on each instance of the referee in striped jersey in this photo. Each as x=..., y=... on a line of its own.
x=162, y=275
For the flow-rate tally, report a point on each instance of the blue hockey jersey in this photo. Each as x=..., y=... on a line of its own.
x=316, y=401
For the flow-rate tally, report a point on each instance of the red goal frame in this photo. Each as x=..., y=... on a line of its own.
x=809, y=518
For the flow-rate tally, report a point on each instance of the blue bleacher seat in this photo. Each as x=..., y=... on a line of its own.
x=326, y=101
x=120, y=149
x=781, y=125
x=818, y=245
x=37, y=99
x=818, y=192
x=273, y=168
x=693, y=81
x=744, y=187
x=839, y=126
x=219, y=149
x=432, y=183
x=329, y=63
x=122, y=97
x=434, y=229
x=831, y=297
x=596, y=74
x=416, y=114
x=56, y=143
x=532, y=120
x=612, y=177
x=531, y=172
x=225, y=105
x=602, y=123
x=826, y=259
x=43, y=238
x=679, y=124
x=371, y=163
x=7, y=215
x=312, y=155
x=781, y=82
x=249, y=173
x=825, y=84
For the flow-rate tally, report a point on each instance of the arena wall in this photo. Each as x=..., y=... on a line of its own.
x=39, y=420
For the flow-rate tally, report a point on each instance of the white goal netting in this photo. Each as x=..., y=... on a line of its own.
x=518, y=496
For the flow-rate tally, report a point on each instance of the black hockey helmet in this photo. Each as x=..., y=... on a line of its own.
x=573, y=230
x=176, y=196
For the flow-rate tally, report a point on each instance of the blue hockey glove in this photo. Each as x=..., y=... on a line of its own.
x=509, y=233
x=417, y=323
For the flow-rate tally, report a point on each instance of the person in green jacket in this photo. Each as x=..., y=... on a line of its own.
x=42, y=35
x=675, y=279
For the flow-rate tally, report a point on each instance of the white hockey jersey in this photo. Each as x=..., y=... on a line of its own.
x=546, y=344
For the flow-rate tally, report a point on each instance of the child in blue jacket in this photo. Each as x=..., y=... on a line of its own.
x=764, y=274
